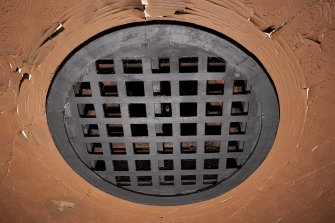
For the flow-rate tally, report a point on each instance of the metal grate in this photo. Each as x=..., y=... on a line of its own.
x=163, y=119
x=135, y=123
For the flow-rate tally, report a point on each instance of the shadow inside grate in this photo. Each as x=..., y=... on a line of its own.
x=82, y=89
x=94, y=148
x=108, y=89
x=162, y=65
x=118, y=148
x=132, y=66
x=112, y=110
x=97, y=165
x=105, y=67
x=216, y=64
x=188, y=65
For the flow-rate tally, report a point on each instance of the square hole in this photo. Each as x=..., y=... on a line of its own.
x=165, y=147
x=214, y=108
x=215, y=87
x=216, y=64
x=188, y=109
x=139, y=130
x=141, y=148
x=112, y=110
x=240, y=87
x=235, y=146
x=161, y=88
x=239, y=108
x=166, y=180
x=162, y=65
x=188, y=164
x=120, y=165
x=144, y=180
x=237, y=128
x=211, y=164
x=94, y=148
x=212, y=146
x=108, y=89
x=118, y=148
x=97, y=165
x=137, y=110
x=232, y=163
x=86, y=110
x=188, y=147
x=105, y=66
x=82, y=89
x=132, y=66
x=143, y=165
x=91, y=130
x=135, y=88
x=188, y=88
x=188, y=65
x=115, y=130
x=163, y=110
x=188, y=129
x=188, y=180
x=213, y=128
x=122, y=181
x=210, y=179
x=163, y=129
x=165, y=164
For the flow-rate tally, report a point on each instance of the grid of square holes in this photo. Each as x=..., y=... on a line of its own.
x=154, y=122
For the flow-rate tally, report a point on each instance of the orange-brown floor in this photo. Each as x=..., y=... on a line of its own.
x=296, y=183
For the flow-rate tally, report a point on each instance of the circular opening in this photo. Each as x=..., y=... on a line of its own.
x=162, y=114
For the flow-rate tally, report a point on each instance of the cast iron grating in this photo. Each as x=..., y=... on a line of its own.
x=160, y=125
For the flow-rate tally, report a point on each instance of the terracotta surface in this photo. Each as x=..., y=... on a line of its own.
x=294, y=184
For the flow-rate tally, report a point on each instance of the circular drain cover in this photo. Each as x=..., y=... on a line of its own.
x=162, y=114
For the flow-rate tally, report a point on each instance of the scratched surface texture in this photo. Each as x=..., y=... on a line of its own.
x=295, y=41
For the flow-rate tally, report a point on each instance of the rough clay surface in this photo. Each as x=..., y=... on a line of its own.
x=294, y=184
